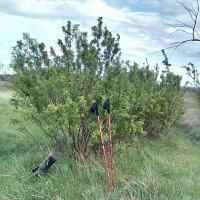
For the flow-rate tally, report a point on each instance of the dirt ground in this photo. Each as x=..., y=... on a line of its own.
x=5, y=95
x=192, y=115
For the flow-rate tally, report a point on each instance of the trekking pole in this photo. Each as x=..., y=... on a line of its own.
x=94, y=108
x=106, y=106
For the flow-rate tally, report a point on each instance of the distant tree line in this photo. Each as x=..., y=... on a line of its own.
x=5, y=77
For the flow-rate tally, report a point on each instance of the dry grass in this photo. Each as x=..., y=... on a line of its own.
x=5, y=92
x=5, y=95
x=192, y=115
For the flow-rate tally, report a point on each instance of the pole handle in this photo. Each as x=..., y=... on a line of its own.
x=94, y=108
x=106, y=105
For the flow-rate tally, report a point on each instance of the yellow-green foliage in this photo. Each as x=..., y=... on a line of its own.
x=56, y=91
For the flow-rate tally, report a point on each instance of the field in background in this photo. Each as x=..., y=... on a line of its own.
x=157, y=170
x=5, y=92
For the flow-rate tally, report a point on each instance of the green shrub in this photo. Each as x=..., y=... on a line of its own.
x=56, y=90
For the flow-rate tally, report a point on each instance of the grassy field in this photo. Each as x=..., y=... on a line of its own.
x=162, y=169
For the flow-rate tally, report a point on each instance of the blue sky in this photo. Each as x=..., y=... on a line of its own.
x=139, y=23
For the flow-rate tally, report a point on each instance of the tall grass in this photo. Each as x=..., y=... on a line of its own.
x=162, y=169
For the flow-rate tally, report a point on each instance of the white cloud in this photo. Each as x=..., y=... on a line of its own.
x=139, y=23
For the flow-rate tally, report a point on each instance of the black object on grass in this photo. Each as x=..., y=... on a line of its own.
x=44, y=166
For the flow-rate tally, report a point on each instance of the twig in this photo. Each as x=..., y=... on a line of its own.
x=180, y=26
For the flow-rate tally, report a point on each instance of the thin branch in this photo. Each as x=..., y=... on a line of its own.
x=197, y=33
x=181, y=30
x=195, y=22
x=30, y=134
x=191, y=12
x=179, y=24
x=183, y=27
x=175, y=45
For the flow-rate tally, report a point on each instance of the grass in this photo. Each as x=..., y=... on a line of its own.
x=162, y=169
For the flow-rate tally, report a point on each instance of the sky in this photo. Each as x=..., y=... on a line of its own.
x=140, y=24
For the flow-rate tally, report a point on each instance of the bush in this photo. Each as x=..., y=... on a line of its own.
x=57, y=90
x=193, y=74
x=158, y=99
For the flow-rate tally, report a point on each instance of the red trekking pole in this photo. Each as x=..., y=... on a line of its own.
x=94, y=108
x=106, y=106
